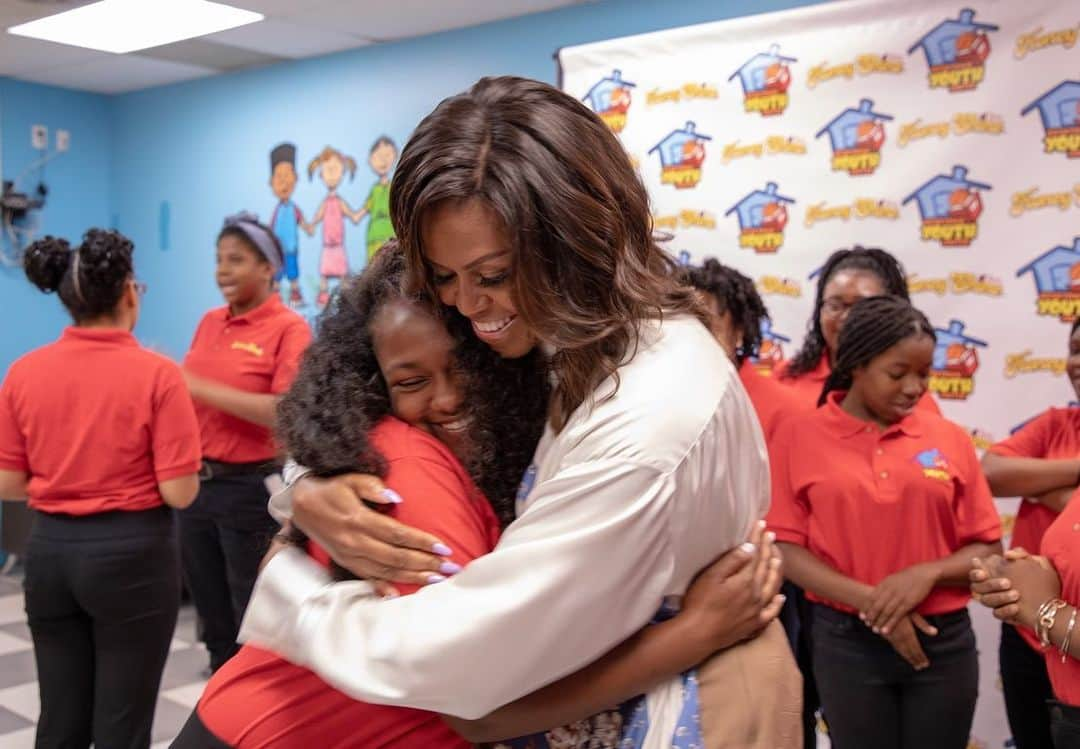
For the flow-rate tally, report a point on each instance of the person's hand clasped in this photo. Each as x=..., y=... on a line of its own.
x=1014, y=586
x=897, y=596
x=905, y=640
x=738, y=595
x=364, y=541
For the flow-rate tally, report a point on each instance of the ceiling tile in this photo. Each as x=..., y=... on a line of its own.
x=117, y=74
x=14, y=12
x=285, y=39
x=209, y=54
x=402, y=19
x=19, y=54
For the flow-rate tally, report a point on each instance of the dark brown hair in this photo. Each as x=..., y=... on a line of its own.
x=587, y=270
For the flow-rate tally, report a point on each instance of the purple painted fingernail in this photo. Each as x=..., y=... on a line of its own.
x=449, y=568
x=441, y=549
x=432, y=579
x=392, y=496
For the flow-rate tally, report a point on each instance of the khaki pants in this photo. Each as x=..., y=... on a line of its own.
x=751, y=695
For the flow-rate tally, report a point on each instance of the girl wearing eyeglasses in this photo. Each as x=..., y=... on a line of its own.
x=101, y=437
x=243, y=357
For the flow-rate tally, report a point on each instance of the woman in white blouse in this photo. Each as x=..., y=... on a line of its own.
x=519, y=208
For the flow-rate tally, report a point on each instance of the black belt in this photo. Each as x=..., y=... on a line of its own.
x=215, y=469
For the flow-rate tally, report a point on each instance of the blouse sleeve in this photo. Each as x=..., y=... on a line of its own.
x=174, y=435
x=584, y=567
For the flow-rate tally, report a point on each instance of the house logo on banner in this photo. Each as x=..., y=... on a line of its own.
x=1060, y=111
x=765, y=79
x=610, y=99
x=762, y=218
x=771, y=351
x=952, y=375
x=682, y=153
x=1057, y=282
x=956, y=51
x=856, y=136
x=950, y=206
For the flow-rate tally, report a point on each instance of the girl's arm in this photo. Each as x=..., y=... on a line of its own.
x=258, y=408
x=1028, y=477
x=731, y=600
x=902, y=592
x=13, y=485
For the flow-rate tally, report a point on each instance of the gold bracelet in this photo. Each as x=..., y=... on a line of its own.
x=1047, y=618
x=1068, y=636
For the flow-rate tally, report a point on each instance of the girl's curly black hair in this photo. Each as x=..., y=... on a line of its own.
x=867, y=259
x=736, y=295
x=339, y=393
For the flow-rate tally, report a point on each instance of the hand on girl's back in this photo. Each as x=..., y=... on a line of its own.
x=735, y=597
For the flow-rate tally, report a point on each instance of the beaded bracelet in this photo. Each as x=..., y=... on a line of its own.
x=1047, y=617
x=1068, y=637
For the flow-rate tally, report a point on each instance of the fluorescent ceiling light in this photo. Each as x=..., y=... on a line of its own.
x=128, y=25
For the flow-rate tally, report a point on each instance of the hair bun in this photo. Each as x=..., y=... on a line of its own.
x=45, y=262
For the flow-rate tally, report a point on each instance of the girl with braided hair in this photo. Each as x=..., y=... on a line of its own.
x=737, y=313
x=846, y=277
x=880, y=507
x=101, y=436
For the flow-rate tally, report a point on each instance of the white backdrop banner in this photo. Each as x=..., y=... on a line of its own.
x=946, y=134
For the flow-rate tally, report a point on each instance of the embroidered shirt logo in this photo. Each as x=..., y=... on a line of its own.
x=251, y=348
x=933, y=464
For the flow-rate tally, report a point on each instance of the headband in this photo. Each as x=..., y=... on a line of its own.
x=264, y=241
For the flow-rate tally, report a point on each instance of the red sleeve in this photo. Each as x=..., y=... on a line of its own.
x=789, y=514
x=439, y=502
x=1032, y=440
x=12, y=440
x=175, y=429
x=294, y=341
x=977, y=518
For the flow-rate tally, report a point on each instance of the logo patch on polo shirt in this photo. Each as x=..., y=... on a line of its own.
x=934, y=464
x=251, y=348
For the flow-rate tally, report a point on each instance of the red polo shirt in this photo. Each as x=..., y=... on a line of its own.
x=871, y=502
x=258, y=352
x=1061, y=545
x=1052, y=435
x=808, y=386
x=772, y=401
x=259, y=700
x=97, y=422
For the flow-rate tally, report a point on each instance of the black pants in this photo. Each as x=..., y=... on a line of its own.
x=1065, y=725
x=1027, y=690
x=873, y=698
x=797, y=618
x=223, y=537
x=102, y=594
x=195, y=735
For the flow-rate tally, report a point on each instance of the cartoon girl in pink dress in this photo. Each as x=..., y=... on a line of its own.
x=333, y=263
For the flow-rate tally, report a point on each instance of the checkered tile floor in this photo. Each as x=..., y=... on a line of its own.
x=181, y=685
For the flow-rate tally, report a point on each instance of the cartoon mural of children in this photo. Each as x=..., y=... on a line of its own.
x=333, y=263
x=287, y=219
x=381, y=159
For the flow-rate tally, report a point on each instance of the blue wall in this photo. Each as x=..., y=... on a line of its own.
x=79, y=194
x=201, y=149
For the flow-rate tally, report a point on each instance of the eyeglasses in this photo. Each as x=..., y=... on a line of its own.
x=833, y=306
x=140, y=287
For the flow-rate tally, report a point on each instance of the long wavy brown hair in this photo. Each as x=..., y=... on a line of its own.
x=587, y=270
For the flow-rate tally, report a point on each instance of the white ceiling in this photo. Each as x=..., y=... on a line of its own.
x=293, y=29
